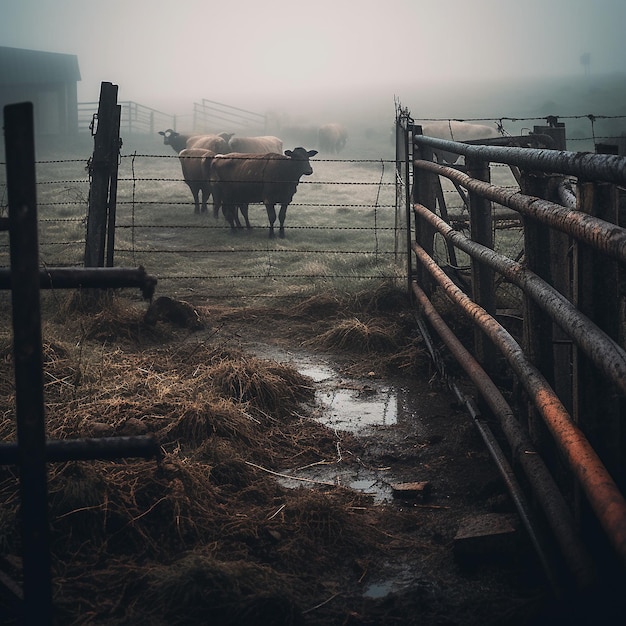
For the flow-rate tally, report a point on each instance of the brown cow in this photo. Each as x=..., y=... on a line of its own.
x=332, y=138
x=455, y=130
x=241, y=179
x=195, y=163
x=256, y=145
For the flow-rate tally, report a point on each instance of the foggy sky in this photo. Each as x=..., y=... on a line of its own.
x=259, y=53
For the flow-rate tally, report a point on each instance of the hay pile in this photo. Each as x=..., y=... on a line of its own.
x=205, y=534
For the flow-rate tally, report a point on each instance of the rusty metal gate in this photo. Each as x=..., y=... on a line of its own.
x=560, y=401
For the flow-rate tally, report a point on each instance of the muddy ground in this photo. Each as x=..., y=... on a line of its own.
x=287, y=434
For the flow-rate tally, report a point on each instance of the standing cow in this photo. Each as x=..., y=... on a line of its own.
x=455, y=130
x=240, y=179
x=195, y=163
x=332, y=138
x=255, y=145
x=215, y=143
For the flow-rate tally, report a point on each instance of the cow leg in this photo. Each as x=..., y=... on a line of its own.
x=206, y=194
x=271, y=216
x=196, y=200
x=281, y=219
x=230, y=213
x=244, y=212
x=195, y=192
x=217, y=203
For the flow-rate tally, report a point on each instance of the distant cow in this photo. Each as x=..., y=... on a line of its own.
x=215, y=143
x=332, y=138
x=256, y=145
x=454, y=130
x=242, y=179
x=195, y=163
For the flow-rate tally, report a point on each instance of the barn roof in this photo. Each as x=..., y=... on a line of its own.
x=21, y=67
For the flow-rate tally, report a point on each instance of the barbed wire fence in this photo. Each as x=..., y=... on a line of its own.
x=342, y=227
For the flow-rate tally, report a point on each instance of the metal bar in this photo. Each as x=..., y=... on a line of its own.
x=606, y=354
x=102, y=448
x=602, y=493
x=24, y=253
x=606, y=237
x=89, y=278
x=589, y=166
x=557, y=513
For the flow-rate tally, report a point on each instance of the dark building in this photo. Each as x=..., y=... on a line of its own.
x=48, y=80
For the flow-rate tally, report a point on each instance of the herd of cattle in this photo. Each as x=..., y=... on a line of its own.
x=239, y=171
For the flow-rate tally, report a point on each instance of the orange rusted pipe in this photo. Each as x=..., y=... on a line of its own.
x=604, y=236
x=547, y=493
x=602, y=493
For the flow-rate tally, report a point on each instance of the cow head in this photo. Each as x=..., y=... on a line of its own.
x=302, y=156
x=168, y=136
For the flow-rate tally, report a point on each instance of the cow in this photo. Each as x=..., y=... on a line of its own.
x=195, y=163
x=178, y=142
x=454, y=130
x=255, y=145
x=240, y=179
x=332, y=138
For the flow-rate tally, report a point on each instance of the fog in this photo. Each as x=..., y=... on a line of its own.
x=313, y=58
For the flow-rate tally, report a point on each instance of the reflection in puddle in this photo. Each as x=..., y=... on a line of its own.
x=317, y=373
x=351, y=410
x=356, y=406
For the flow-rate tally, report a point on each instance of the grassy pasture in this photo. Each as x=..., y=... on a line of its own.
x=343, y=230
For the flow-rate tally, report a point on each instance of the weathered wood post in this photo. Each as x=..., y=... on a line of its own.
x=538, y=327
x=598, y=408
x=424, y=193
x=112, y=200
x=102, y=165
x=404, y=128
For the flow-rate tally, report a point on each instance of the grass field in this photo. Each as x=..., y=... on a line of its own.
x=345, y=229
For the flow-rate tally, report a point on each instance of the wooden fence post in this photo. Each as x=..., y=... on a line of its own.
x=103, y=166
x=424, y=193
x=538, y=327
x=598, y=408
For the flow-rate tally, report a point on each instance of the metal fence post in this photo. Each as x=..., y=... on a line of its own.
x=29, y=399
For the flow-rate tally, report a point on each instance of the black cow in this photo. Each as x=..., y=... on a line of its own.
x=240, y=179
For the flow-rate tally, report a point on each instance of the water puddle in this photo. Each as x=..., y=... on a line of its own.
x=359, y=406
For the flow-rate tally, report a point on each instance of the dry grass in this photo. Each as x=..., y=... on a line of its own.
x=206, y=529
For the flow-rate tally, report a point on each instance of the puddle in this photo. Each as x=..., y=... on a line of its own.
x=355, y=410
x=356, y=406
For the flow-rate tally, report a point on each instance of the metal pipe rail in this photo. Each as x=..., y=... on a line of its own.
x=608, y=356
x=584, y=165
x=89, y=278
x=602, y=493
x=605, y=237
x=523, y=451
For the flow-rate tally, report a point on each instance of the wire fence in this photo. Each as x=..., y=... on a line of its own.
x=341, y=229
x=344, y=227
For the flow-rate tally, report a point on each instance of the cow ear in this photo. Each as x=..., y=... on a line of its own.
x=311, y=153
x=288, y=153
x=161, y=133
